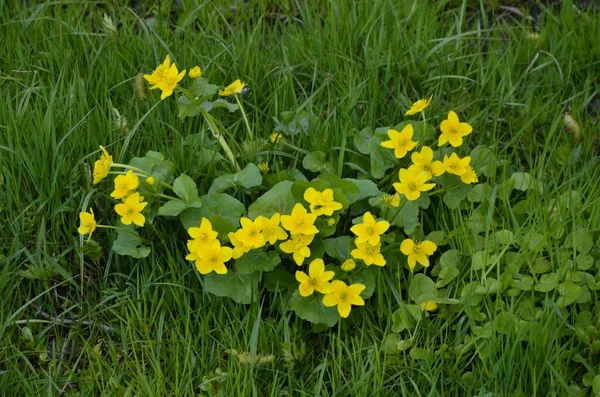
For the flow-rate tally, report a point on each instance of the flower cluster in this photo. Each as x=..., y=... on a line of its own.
x=368, y=240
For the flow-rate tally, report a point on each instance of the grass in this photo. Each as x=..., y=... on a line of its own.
x=146, y=327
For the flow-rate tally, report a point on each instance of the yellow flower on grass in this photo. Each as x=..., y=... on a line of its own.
x=204, y=234
x=125, y=184
x=213, y=258
x=469, y=177
x=412, y=184
x=370, y=254
x=234, y=88
x=87, y=223
x=298, y=246
x=401, y=141
x=453, y=130
x=250, y=234
x=316, y=279
x=455, y=165
x=270, y=228
x=391, y=199
x=348, y=265
x=417, y=252
x=131, y=210
x=165, y=77
x=321, y=203
x=102, y=166
x=369, y=230
x=428, y=305
x=423, y=162
x=195, y=72
x=344, y=296
x=418, y=106
x=159, y=72
x=276, y=137
x=300, y=221
x=239, y=249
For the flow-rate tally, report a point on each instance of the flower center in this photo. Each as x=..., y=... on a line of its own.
x=371, y=250
x=344, y=296
x=312, y=282
x=412, y=186
x=427, y=167
x=402, y=142
x=214, y=260
x=370, y=230
x=453, y=130
x=130, y=211
x=416, y=250
x=299, y=222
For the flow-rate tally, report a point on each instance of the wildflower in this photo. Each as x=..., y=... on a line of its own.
x=87, y=223
x=195, y=72
x=401, y=141
x=239, y=249
x=316, y=279
x=412, y=184
x=150, y=180
x=213, y=258
x=165, y=79
x=321, y=203
x=348, y=265
x=455, y=165
x=344, y=296
x=250, y=234
x=102, y=166
x=276, y=137
x=417, y=252
x=418, y=106
x=453, y=130
x=300, y=221
x=131, y=210
x=369, y=230
x=391, y=199
x=298, y=246
x=423, y=162
x=203, y=235
x=370, y=254
x=270, y=228
x=469, y=177
x=428, y=305
x=125, y=184
x=263, y=167
x=234, y=88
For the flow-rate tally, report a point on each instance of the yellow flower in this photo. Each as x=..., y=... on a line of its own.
x=165, y=77
x=159, y=72
x=195, y=72
x=298, y=246
x=423, y=162
x=455, y=165
x=203, y=235
x=263, y=167
x=316, y=279
x=239, y=249
x=417, y=252
x=391, y=199
x=418, y=106
x=270, y=228
x=131, y=210
x=344, y=296
x=300, y=221
x=276, y=137
x=234, y=88
x=428, y=305
x=453, y=130
x=469, y=177
x=87, y=223
x=321, y=203
x=369, y=230
x=125, y=184
x=401, y=141
x=411, y=184
x=348, y=265
x=370, y=254
x=213, y=258
x=250, y=234
x=102, y=166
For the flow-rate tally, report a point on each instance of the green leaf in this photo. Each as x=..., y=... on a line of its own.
x=221, y=205
x=366, y=275
x=362, y=139
x=451, y=258
x=242, y=288
x=255, y=260
x=569, y=292
x=317, y=162
x=338, y=248
x=406, y=317
x=188, y=108
x=407, y=217
x=129, y=243
x=247, y=178
x=201, y=87
x=581, y=240
x=393, y=343
x=447, y=274
x=185, y=188
x=367, y=188
x=175, y=207
x=547, y=282
x=501, y=238
x=311, y=308
x=483, y=160
x=344, y=191
x=480, y=192
x=220, y=103
x=422, y=288
x=382, y=159
x=523, y=181
x=278, y=199
x=455, y=196
x=279, y=280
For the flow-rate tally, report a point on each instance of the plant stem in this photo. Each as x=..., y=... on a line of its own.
x=237, y=99
x=217, y=134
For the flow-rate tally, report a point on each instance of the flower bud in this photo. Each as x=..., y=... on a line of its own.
x=150, y=180
x=331, y=221
x=348, y=265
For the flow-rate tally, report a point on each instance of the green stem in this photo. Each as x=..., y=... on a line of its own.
x=166, y=196
x=117, y=228
x=212, y=125
x=237, y=99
